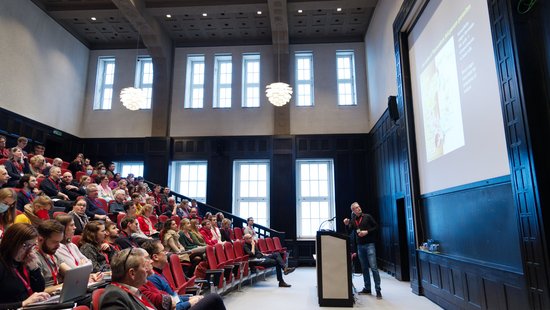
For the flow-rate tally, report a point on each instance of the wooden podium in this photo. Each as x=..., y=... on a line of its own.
x=334, y=287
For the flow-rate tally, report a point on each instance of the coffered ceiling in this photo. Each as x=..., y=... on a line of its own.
x=106, y=24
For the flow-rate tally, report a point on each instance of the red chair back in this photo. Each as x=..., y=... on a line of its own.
x=96, y=298
x=79, y=175
x=56, y=213
x=270, y=244
x=119, y=218
x=154, y=220
x=76, y=239
x=81, y=308
x=103, y=204
x=177, y=272
x=211, y=258
x=229, y=251
x=176, y=219
x=65, y=165
x=39, y=181
x=263, y=246
x=167, y=273
x=163, y=218
x=232, y=234
x=3, y=161
x=238, y=233
x=63, y=170
x=278, y=244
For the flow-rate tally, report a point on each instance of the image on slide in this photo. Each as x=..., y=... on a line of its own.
x=440, y=99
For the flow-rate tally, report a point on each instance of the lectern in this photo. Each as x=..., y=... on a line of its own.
x=334, y=287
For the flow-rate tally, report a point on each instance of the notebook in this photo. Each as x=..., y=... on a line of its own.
x=75, y=283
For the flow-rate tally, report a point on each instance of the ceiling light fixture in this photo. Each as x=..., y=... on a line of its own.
x=133, y=98
x=278, y=93
x=204, y=14
x=338, y=9
x=93, y=18
x=168, y=16
x=259, y=12
x=300, y=11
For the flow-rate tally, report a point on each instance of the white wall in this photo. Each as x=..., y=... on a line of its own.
x=326, y=117
x=380, y=59
x=42, y=67
x=118, y=122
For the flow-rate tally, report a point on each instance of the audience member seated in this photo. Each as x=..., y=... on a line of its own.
x=141, y=182
x=111, y=234
x=51, y=186
x=50, y=235
x=78, y=213
x=116, y=206
x=159, y=259
x=194, y=214
x=157, y=197
x=226, y=230
x=110, y=173
x=125, y=239
x=130, y=268
x=27, y=191
x=57, y=162
x=219, y=218
x=37, y=164
x=104, y=191
x=36, y=212
x=70, y=187
x=16, y=166
x=186, y=239
x=136, y=198
x=69, y=252
x=21, y=281
x=123, y=185
x=170, y=239
x=249, y=229
x=76, y=165
x=166, y=193
x=83, y=183
x=39, y=149
x=195, y=233
x=145, y=224
x=93, y=210
x=216, y=234
x=7, y=209
x=114, y=182
x=273, y=259
x=206, y=232
x=4, y=176
x=22, y=144
x=92, y=246
x=4, y=152
x=172, y=208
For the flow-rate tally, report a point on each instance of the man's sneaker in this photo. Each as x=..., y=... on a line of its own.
x=378, y=295
x=288, y=270
x=284, y=284
x=365, y=291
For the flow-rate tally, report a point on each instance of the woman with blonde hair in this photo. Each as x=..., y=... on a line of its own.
x=8, y=198
x=36, y=212
x=195, y=234
x=145, y=223
x=37, y=164
x=187, y=240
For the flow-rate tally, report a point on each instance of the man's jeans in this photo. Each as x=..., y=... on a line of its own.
x=367, y=257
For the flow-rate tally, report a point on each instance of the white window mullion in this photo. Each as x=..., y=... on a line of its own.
x=345, y=69
x=251, y=190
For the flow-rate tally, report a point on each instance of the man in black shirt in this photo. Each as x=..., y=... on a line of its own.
x=365, y=227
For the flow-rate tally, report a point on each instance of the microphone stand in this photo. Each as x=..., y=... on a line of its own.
x=326, y=221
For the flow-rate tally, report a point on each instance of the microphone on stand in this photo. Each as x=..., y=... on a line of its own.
x=326, y=221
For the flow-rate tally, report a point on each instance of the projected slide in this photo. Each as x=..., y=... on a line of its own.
x=459, y=132
x=443, y=128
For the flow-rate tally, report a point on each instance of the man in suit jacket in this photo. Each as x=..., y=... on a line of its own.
x=130, y=268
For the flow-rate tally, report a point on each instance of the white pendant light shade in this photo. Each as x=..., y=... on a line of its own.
x=278, y=93
x=133, y=98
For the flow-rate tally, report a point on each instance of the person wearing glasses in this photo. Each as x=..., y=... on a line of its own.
x=21, y=281
x=7, y=208
x=130, y=269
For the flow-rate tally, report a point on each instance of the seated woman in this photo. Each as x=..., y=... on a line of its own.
x=79, y=215
x=187, y=241
x=8, y=199
x=216, y=234
x=195, y=233
x=104, y=191
x=169, y=237
x=17, y=166
x=114, y=182
x=145, y=223
x=68, y=252
x=37, y=164
x=20, y=276
x=36, y=212
x=206, y=232
x=84, y=181
x=92, y=246
x=226, y=230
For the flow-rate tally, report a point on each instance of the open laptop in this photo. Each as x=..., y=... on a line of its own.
x=75, y=283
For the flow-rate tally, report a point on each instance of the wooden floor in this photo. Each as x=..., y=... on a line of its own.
x=266, y=295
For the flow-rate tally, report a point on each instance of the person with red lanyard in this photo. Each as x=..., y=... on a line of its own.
x=130, y=268
x=50, y=235
x=21, y=281
x=111, y=234
x=160, y=288
x=27, y=191
x=93, y=247
x=17, y=166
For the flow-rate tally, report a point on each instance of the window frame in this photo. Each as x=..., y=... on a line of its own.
x=330, y=198
x=119, y=167
x=146, y=87
x=190, y=86
x=341, y=81
x=237, y=190
x=101, y=86
x=307, y=83
x=220, y=64
x=176, y=178
x=248, y=86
